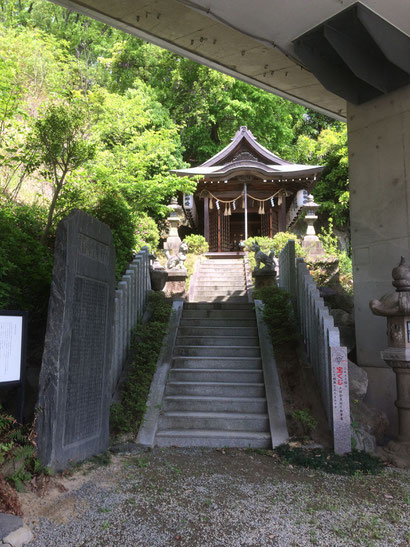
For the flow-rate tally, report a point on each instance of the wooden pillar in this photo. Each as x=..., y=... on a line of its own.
x=219, y=232
x=282, y=215
x=245, y=193
x=271, y=223
x=206, y=219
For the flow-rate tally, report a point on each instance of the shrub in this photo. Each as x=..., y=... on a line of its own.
x=25, y=264
x=147, y=339
x=355, y=463
x=331, y=247
x=146, y=233
x=281, y=238
x=276, y=243
x=278, y=315
x=18, y=462
x=197, y=244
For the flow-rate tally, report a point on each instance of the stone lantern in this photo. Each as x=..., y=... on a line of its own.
x=175, y=251
x=311, y=242
x=396, y=307
x=174, y=221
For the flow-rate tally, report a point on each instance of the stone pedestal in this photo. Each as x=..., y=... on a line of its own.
x=324, y=269
x=175, y=285
x=264, y=279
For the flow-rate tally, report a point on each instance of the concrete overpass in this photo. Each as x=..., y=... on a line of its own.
x=348, y=60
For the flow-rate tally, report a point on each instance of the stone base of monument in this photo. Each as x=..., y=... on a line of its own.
x=395, y=452
x=313, y=246
x=263, y=278
x=176, y=284
x=324, y=269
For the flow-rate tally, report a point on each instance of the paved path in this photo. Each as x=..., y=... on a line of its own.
x=198, y=497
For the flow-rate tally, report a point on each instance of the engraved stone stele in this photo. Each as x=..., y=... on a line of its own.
x=396, y=307
x=74, y=390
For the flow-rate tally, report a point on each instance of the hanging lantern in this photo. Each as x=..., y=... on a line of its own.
x=211, y=204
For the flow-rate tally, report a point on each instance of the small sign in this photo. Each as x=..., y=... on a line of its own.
x=12, y=345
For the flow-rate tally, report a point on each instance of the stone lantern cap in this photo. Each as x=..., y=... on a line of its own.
x=396, y=303
x=175, y=210
x=311, y=205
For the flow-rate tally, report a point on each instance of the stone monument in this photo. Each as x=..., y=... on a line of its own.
x=396, y=307
x=176, y=253
x=74, y=397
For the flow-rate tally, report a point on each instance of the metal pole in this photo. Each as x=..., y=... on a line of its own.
x=245, y=192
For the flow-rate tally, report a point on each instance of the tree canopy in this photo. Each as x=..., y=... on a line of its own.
x=94, y=118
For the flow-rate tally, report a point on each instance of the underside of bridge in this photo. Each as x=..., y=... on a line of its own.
x=346, y=59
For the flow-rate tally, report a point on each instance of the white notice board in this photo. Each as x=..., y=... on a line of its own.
x=11, y=337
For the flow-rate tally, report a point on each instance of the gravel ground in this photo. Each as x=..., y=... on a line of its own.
x=201, y=497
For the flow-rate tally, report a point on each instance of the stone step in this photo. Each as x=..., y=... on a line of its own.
x=218, y=313
x=222, y=306
x=215, y=375
x=219, y=286
x=216, y=389
x=217, y=351
x=221, y=298
x=223, y=421
x=217, y=341
x=217, y=331
x=212, y=274
x=254, y=363
x=216, y=404
x=226, y=262
x=214, y=439
x=222, y=272
x=201, y=293
x=204, y=322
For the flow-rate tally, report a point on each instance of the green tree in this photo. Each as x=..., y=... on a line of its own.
x=332, y=190
x=60, y=140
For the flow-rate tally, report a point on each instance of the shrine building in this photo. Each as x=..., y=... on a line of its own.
x=246, y=191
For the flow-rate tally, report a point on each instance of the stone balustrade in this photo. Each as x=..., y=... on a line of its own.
x=130, y=303
x=322, y=344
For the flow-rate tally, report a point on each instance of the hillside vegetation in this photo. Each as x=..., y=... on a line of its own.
x=93, y=118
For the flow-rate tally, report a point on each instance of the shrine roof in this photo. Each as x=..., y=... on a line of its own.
x=244, y=154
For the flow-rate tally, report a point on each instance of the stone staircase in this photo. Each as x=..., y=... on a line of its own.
x=221, y=280
x=215, y=394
